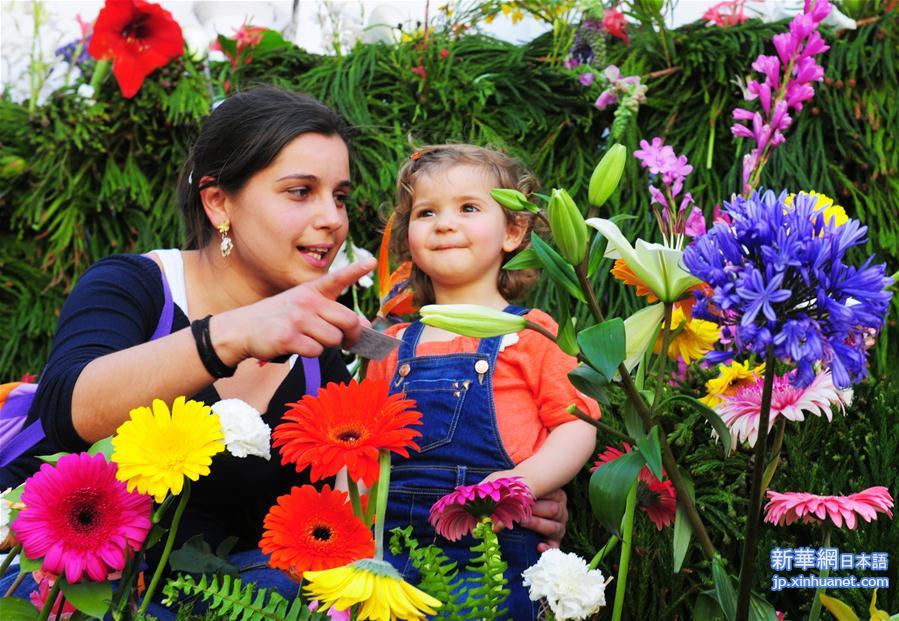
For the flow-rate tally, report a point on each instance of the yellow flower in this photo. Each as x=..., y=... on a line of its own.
x=694, y=340
x=506, y=8
x=730, y=378
x=825, y=203
x=517, y=16
x=489, y=18
x=155, y=450
x=378, y=587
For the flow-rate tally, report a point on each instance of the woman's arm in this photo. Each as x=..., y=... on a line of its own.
x=103, y=368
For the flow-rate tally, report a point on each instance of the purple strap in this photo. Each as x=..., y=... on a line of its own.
x=15, y=440
x=313, y=375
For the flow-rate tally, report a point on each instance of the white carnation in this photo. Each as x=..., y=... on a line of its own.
x=572, y=590
x=245, y=432
x=5, y=508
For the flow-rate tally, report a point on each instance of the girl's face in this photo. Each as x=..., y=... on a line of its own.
x=457, y=233
x=290, y=219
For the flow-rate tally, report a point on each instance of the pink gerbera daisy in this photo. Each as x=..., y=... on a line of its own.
x=788, y=507
x=741, y=410
x=507, y=500
x=80, y=518
x=654, y=497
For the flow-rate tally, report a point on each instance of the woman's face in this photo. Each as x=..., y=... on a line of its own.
x=289, y=220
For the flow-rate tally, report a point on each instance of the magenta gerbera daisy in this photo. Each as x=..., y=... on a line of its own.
x=789, y=507
x=80, y=518
x=506, y=500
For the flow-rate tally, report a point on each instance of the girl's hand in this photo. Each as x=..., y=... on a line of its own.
x=549, y=519
x=302, y=320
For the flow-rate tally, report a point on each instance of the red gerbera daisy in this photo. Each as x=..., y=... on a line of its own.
x=312, y=530
x=656, y=498
x=346, y=425
x=80, y=518
x=138, y=37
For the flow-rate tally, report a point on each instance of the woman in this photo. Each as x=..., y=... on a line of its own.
x=264, y=196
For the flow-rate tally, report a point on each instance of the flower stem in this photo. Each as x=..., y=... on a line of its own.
x=354, y=496
x=815, y=612
x=625, y=558
x=668, y=459
x=775, y=454
x=747, y=565
x=597, y=558
x=536, y=327
x=12, y=554
x=51, y=599
x=161, y=510
x=663, y=354
x=169, y=543
x=381, y=511
x=15, y=585
x=100, y=70
x=579, y=413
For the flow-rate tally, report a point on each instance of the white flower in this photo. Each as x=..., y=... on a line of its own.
x=245, y=432
x=350, y=253
x=86, y=91
x=5, y=508
x=571, y=589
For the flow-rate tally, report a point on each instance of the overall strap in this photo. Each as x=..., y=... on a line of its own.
x=410, y=340
x=490, y=346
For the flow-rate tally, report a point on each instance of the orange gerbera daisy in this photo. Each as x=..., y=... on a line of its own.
x=622, y=272
x=346, y=425
x=314, y=530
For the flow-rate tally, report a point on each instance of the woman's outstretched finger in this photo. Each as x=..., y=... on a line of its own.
x=332, y=284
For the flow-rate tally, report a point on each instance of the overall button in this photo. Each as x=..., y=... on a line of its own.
x=404, y=370
x=481, y=366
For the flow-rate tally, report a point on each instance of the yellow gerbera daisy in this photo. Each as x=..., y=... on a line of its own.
x=694, y=339
x=378, y=587
x=825, y=203
x=730, y=378
x=155, y=450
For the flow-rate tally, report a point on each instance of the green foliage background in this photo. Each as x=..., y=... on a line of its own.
x=80, y=180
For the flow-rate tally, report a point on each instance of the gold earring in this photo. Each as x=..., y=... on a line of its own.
x=227, y=245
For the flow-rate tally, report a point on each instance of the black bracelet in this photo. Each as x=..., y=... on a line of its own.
x=211, y=361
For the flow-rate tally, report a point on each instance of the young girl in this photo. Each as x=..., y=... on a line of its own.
x=491, y=407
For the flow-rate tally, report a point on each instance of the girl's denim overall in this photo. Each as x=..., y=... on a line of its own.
x=460, y=445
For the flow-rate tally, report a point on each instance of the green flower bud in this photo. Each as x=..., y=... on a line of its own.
x=513, y=200
x=471, y=320
x=652, y=7
x=567, y=226
x=607, y=174
x=11, y=166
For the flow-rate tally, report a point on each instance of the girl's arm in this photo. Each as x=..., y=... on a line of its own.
x=563, y=454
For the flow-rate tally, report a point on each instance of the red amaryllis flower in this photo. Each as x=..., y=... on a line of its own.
x=788, y=507
x=312, y=530
x=615, y=24
x=138, y=37
x=506, y=500
x=654, y=497
x=80, y=518
x=346, y=425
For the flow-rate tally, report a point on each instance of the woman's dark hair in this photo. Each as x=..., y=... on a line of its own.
x=243, y=135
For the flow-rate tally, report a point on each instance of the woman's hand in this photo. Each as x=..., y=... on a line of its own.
x=549, y=519
x=302, y=320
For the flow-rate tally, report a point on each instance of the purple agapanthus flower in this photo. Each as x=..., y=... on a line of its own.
x=779, y=278
x=68, y=51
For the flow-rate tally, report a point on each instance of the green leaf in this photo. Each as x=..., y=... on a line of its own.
x=706, y=608
x=711, y=415
x=102, y=446
x=524, y=260
x=15, y=609
x=603, y=345
x=28, y=565
x=229, y=46
x=760, y=609
x=154, y=536
x=196, y=557
x=609, y=486
x=589, y=382
x=683, y=530
x=91, y=598
x=724, y=589
x=52, y=459
x=595, y=254
x=558, y=268
x=632, y=421
x=651, y=448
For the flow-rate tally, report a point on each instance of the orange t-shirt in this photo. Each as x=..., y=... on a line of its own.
x=531, y=391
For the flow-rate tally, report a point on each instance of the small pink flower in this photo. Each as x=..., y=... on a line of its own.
x=789, y=507
x=507, y=500
x=586, y=79
x=39, y=597
x=606, y=99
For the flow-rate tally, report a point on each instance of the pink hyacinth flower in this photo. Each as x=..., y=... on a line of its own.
x=81, y=519
x=506, y=500
x=740, y=411
x=789, y=507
